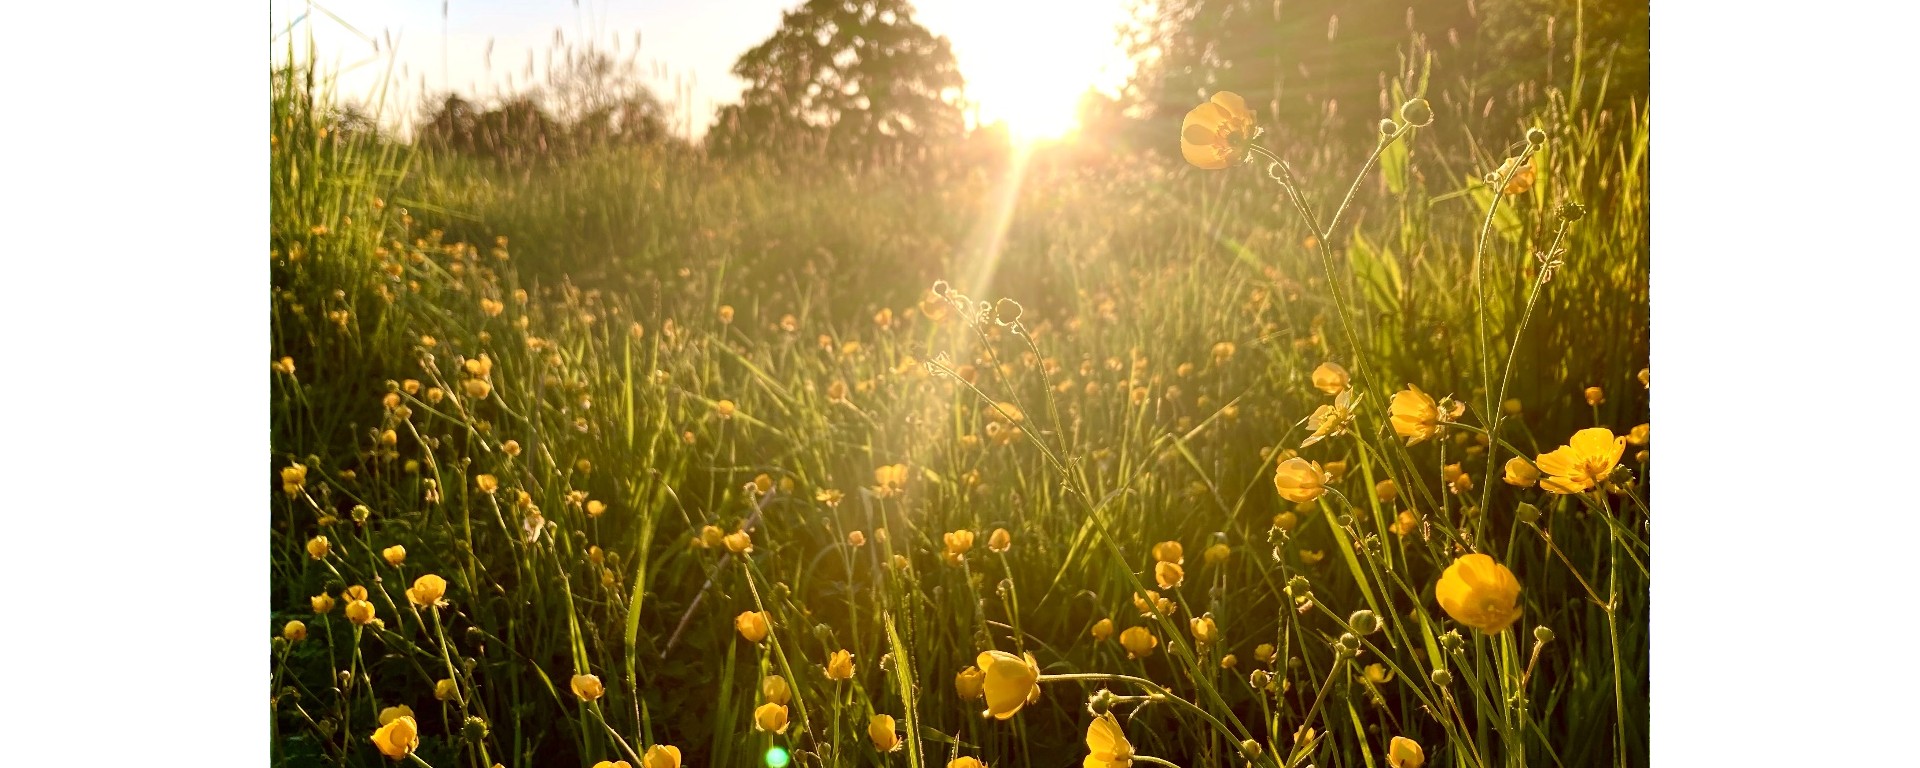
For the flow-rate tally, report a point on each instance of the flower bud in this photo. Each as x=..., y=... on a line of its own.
x=1101, y=702
x=1417, y=112
x=1536, y=137
x=1442, y=678
x=1259, y=679
x=1364, y=622
x=1543, y=634
x=1387, y=127
x=475, y=729
x=1250, y=749
x=1571, y=211
x=1527, y=513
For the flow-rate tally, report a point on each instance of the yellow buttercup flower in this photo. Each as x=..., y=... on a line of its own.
x=752, y=625
x=881, y=730
x=322, y=603
x=427, y=590
x=1299, y=480
x=1403, y=752
x=1405, y=523
x=394, y=555
x=724, y=409
x=613, y=764
x=317, y=547
x=391, y=714
x=1217, y=554
x=1521, y=472
x=1480, y=593
x=857, y=538
x=776, y=690
x=1330, y=378
x=1152, y=604
x=840, y=665
x=360, y=612
x=295, y=631
x=1639, y=436
x=965, y=762
x=486, y=483
x=1169, y=552
x=1011, y=682
x=588, y=687
x=1169, y=575
x=445, y=689
x=958, y=542
x=1139, y=642
x=1205, y=631
x=1000, y=541
x=1330, y=420
x=1107, y=745
x=1217, y=133
x=1585, y=461
x=398, y=738
x=1595, y=395
x=890, y=480
x=711, y=537
x=1522, y=176
x=739, y=542
x=970, y=683
x=292, y=478
x=661, y=756
x=771, y=718
x=1414, y=414
x=1377, y=674
x=1102, y=630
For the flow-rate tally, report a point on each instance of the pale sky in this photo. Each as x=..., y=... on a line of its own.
x=1025, y=61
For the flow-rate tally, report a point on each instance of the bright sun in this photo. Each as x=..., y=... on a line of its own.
x=1027, y=62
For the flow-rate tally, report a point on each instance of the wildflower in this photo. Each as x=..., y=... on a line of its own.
x=398, y=738
x=1169, y=575
x=966, y=762
x=1377, y=674
x=283, y=365
x=890, y=480
x=1521, y=473
x=1229, y=661
x=477, y=389
x=1264, y=652
x=293, y=477
x=322, y=603
x=1217, y=133
x=355, y=592
x=1414, y=414
x=588, y=687
x=771, y=718
x=1645, y=378
x=1330, y=420
x=446, y=689
x=1205, y=630
x=739, y=542
x=1457, y=479
x=710, y=537
x=1585, y=461
x=1299, y=480
x=1217, y=554
x=395, y=554
x=1102, y=630
x=1169, y=552
x=360, y=612
x=1330, y=378
x=1386, y=491
x=435, y=395
x=661, y=756
x=1152, y=604
x=596, y=508
x=881, y=730
x=1107, y=744
x=1639, y=436
x=1000, y=541
x=1139, y=642
x=724, y=409
x=427, y=590
x=857, y=539
x=776, y=690
x=1405, y=523
x=295, y=631
x=752, y=625
x=486, y=483
x=970, y=683
x=1223, y=352
x=1480, y=593
x=1010, y=683
x=1286, y=521
x=317, y=547
x=1595, y=396
x=1312, y=556
x=840, y=665
x=1522, y=176
x=391, y=714
x=613, y=764
x=1403, y=752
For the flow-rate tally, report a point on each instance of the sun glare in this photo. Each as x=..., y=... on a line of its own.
x=1028, y=63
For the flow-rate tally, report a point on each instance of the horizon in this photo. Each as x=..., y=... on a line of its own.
x=487, y=50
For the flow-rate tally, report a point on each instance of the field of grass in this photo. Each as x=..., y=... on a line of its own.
x=921, y=413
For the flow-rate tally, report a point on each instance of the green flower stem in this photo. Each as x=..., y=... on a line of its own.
x=1160, y=693
x=1153, y=760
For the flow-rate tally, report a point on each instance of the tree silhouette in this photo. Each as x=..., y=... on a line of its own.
x=849, y=79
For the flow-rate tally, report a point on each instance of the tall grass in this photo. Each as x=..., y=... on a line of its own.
x=691, y=343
